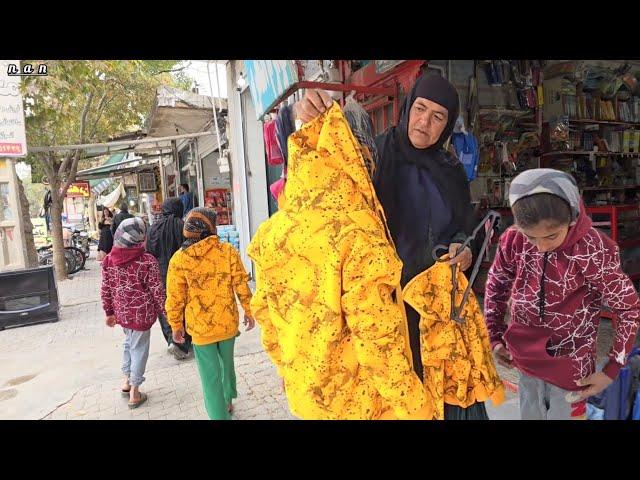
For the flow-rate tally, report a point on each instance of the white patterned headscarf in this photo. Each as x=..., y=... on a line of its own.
x=546, y=180
x=130, y=233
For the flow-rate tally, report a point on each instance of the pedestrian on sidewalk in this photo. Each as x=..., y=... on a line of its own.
x=164, y=239
x=120, y=216
x=107, y=214
x=203, y=280
x=133, y=297
x=105, y=244
x=558, y=271
x=186, y=197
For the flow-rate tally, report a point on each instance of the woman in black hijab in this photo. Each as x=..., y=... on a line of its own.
x=423, y=190
x=163, y=240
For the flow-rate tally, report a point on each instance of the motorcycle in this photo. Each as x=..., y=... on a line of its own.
x=71, y=255
x=80, y=239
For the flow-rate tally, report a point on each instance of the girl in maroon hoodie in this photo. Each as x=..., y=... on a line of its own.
x=558, y=271
x=133, y=297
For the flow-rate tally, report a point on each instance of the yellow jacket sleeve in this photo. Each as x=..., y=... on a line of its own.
x=176, y=294
x=240, y=279
x=375, y=321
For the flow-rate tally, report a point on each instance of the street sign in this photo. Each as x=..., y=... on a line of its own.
x=13, y=142
x=268, y=79
x=79, y=189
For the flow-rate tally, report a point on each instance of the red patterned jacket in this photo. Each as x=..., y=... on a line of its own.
x=131, y=288
x=555, y=304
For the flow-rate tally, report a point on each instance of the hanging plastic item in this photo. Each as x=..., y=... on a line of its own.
x=617, y=399
x=277, y=187
x=466, y=147
x=274, y=155
x=636, y=407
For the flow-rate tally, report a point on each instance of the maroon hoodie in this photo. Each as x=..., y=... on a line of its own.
x=555, y=304
x=131, y=287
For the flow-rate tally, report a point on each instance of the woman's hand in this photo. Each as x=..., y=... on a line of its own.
x=314, y=103
x=464, y=259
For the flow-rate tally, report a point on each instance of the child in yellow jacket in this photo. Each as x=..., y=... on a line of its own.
x=203, y=279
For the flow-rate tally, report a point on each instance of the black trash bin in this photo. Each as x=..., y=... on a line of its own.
x=28, y=296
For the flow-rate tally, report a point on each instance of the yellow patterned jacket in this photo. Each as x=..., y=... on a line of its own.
x=325, y=275
x=201, y=283
x=457, y=359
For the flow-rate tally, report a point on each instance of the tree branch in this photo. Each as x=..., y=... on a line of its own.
x=83, y=124
x=72, y=173
x=101, y=107
x=171, y=71
x=83, y=120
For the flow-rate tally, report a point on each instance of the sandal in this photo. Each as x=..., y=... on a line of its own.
x=143, y=398
x=230, y=407
x=125, y=393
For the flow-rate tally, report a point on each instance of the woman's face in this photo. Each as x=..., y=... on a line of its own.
x=427, y=121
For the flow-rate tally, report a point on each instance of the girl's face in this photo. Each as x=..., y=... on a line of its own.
x=546, y=235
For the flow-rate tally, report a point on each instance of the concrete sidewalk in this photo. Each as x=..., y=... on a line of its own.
x=71, y=369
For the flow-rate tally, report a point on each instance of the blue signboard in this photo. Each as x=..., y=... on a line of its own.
x=268, y=79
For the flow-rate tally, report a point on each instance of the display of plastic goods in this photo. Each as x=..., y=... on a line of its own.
x=636, y=407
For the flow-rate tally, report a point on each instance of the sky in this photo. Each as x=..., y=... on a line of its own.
x=198, y=71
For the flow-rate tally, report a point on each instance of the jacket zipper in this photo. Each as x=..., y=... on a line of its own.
x=541, y=304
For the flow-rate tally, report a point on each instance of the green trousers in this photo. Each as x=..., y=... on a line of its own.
x=218, y=377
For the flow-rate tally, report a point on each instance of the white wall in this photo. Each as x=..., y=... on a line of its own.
x=256, y=164
x=212, y=178
x=248, y=163
x=237, y=165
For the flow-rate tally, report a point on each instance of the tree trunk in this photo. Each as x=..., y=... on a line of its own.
x=93, y=225
x=59, y=261
x=31, y=256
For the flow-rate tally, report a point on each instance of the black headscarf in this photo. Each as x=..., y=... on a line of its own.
x=424, y=192
x=165, y=236
x=200, y=224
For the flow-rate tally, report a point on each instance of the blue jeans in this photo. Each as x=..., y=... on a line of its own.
x=136, y=353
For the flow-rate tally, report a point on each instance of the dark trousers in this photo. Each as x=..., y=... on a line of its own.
x=168, y=335
x=166, y=328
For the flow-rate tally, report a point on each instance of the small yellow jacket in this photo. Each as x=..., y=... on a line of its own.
x=325, y=275
x=201, y=282
x=457, y=359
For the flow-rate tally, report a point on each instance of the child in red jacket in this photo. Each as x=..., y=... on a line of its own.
x=132, y=296
x=558, y=271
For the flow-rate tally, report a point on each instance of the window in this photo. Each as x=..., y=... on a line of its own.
x=5, y=212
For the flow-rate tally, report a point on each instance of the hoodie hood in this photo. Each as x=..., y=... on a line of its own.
x=577, y=231
x=201, y=248
x=121, y=256
x=336, y=181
